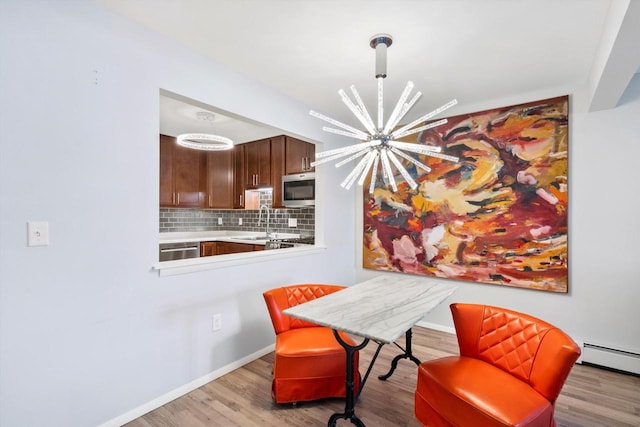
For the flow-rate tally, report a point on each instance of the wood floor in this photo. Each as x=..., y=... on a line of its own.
x=591, y=397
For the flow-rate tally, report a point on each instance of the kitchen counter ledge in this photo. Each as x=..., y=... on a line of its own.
x=182, y=266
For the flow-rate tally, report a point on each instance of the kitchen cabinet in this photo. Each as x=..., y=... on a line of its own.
x=238, y=177
x=223, y=248
x=219, y=179
x=257, y=163
x=208, y=248
x=299, y=155
x=277, y=169
x=181, y=183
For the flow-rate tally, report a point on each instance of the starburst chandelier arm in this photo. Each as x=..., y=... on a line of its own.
x=355, y=156
x=356, y=111
x=405, y=109
x=415, y=148
x=363, y=108
x=374, y=173
x=337, y=156
x=344, y=126
x=370, y=162
x=341, y=132
x=351, y=178
x=380, y=102
x=443, y=156
x=421, y=128
x=393, y=118
x=402, y=169
x=387, y=168
x=349, y=149
x=425, y=117
x=411, y=159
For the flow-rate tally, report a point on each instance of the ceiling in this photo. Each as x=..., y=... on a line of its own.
x=472, y=50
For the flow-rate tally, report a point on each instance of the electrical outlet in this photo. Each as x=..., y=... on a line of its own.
x=293, y=222
x=219, y=221
x=217, y=322
x=239, y=221
x=37, y=233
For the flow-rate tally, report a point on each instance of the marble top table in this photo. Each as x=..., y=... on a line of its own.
x=381, y=309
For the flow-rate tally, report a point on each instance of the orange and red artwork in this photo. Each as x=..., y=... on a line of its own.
x=497, y=216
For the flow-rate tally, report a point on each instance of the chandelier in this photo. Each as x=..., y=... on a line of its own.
x=205, y=141
x=379, y=144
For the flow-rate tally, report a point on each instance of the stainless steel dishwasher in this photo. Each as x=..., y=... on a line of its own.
x=181, y=250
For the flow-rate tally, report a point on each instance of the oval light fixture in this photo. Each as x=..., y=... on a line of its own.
x=205, y=141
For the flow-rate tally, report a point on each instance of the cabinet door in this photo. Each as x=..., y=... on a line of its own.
x=181, y=182
x=188, y=164
x=166, y=171
x=239, y=176
x=277, y=169
x=208, y=248
x=299, y=155
x=258, y=163
x=219, y=175
x=224, y=248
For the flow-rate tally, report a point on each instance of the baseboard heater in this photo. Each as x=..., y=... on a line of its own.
x=613, y=358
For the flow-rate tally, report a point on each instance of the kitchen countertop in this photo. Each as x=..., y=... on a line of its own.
x=250, y=237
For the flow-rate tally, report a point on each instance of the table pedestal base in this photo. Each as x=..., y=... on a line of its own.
x=407, y=354
x=350, y=398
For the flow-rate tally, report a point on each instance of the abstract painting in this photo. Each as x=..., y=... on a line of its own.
x=498, y=216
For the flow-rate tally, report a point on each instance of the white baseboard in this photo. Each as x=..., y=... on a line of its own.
x=437, y=327
x=181, y=391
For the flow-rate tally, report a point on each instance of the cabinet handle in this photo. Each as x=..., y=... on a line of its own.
x=173, y=198
x=178, y=198
x=241, y=204
x=304, y=163
x=209, y=200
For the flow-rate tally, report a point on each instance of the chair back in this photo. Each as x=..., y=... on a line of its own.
x=526, y=347
x=280, y=299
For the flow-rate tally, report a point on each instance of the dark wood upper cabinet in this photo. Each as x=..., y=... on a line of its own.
x=277, y=169
x=239, y=175
x=257, y=156
x=220, y=179
x=181, y=182
x=299, y=155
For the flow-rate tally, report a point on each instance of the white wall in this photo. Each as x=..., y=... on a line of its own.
x=604, y=278
x=87, y=331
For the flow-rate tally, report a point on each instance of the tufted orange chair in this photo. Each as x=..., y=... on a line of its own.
x=309, y=362
x=509, y=373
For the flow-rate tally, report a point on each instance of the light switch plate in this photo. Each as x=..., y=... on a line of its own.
x=219, y=221
x=37, y=233
x=293, y=222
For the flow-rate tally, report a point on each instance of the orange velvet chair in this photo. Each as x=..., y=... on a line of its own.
x=509, y=373
x=309, y=362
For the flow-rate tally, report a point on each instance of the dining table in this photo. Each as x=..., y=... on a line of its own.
x=380, y=309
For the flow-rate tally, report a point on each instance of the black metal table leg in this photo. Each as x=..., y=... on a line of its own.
x=407, y=354
x=350, y=398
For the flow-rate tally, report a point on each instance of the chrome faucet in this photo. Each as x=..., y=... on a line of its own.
x=266, y=228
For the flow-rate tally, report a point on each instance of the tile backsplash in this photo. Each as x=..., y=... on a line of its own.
x=183, y=220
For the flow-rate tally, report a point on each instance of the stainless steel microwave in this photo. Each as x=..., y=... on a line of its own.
x=299, y=190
